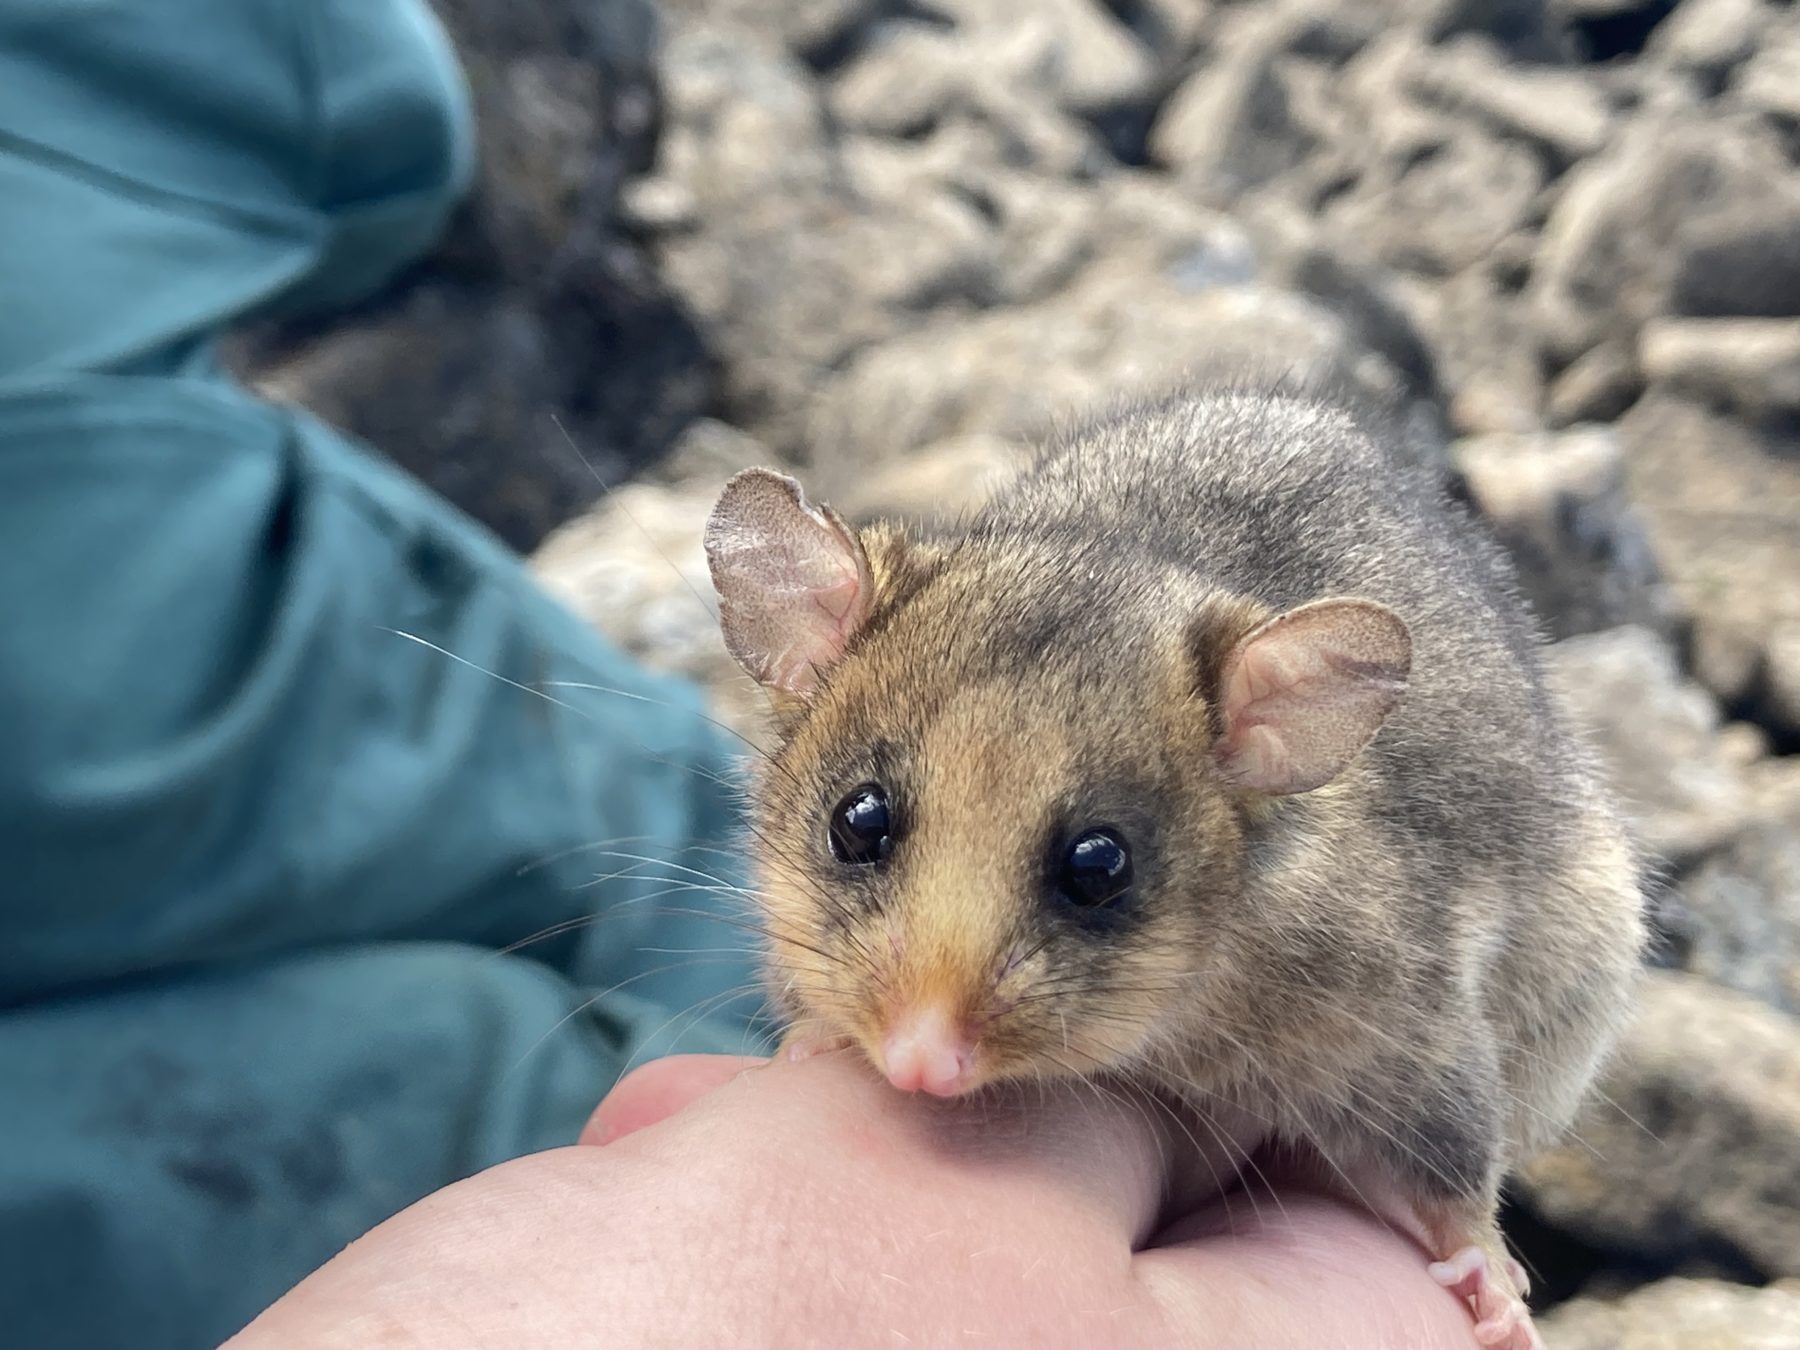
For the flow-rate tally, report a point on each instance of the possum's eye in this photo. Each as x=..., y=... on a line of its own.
x=861, y=830
x=1095, y=870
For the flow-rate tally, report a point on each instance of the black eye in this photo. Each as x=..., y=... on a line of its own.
x=1095, y=869
x=861, y=831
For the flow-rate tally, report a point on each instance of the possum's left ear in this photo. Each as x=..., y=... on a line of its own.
x=793, y=580
x=1300, y=696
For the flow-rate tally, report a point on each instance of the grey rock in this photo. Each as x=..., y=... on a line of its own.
x=1021, y=66
x=1709, y=37
x=1075, y=51
x=1747, y=262
x=1597, y=387
x=1558, y=110
x=1689, y=1144
x=1745, y=908
x=1750, y=365
x=790, y=293
x=921, y=80
x=1680, y=1314
x=1295, y=253
x=1482, y=342
x=633, y=567
x=1721, y=502
x=933, y=487
x=1557, y=502
x=1658, y=738
x=1231, y=125
x=1623, y=229
x=817, y=31
x=1015, y=373
x=457, y=370
x=744, y=121
x=710, y=451
x=792, y=283
x=1770, y=81
x=1051, y=233
x=1429, y=191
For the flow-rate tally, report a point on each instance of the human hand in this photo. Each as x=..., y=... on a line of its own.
x=811, y=1204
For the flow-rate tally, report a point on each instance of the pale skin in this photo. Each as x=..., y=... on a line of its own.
x=731, y=1202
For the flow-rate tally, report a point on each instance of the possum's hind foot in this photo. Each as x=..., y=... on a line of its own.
x=1495, y=1292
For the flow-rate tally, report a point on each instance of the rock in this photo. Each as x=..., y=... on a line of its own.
x=1689, y=1145
x=1658, y=737
x=932, y=488
x=1078, y=53
x=792, y=288
x=1044, y=73
x=1752, y=365
x=1014, y=373
x=710, y=451
x=744, y=121
x=1598, y=387
x=792, y=284
x=1680, y=1314
x=1721, y=501
x=1747, y=262
x=457, y=370
x=1631, y=219
x=1050, y=232
x=1557, y=502
x=819, y=32
x=1745, y=906
x=1559, y=111
x=635, y=569
x=1770, y=81
x=1709, y=37
x=1604, y=30
x=1780, y=692
x=1231, y=125
x=1373, y=303
x=1483, y=344
x=1429, y=192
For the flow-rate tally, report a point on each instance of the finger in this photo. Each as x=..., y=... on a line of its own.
x=655, y=1091
x=1299, y=1271
x=1114, y=1155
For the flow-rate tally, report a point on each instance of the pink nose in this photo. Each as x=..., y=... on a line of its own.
x=925, y=1051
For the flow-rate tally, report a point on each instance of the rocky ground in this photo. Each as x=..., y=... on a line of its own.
x=891, y=242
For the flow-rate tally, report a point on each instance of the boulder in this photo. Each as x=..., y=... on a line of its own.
x=1015, y=373
x=1689, y=1144
x=538, y=304
x=1680, y=1314
x=1744, y=904
x=1721, y=502
x=1557, y=501
x=1658, y=738
x=1749, y=365
x=1649, y=214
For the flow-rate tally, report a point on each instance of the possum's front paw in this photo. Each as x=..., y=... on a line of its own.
x=1495, y=1291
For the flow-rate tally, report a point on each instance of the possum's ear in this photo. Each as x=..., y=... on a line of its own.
x=793, y=581
x=1301, y=695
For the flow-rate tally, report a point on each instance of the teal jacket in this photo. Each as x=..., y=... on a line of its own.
x=259, y=855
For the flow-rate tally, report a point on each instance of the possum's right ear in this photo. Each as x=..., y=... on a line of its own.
x=1300, y=695
x=793, y=580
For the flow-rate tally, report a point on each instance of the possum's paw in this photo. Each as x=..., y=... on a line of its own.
x=1496, y=1296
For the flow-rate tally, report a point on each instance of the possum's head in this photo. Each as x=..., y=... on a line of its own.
x=1003, y=834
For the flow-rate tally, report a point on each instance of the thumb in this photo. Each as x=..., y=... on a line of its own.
x=655, y=1091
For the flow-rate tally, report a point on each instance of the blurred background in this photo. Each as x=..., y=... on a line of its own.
x=890, y=243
